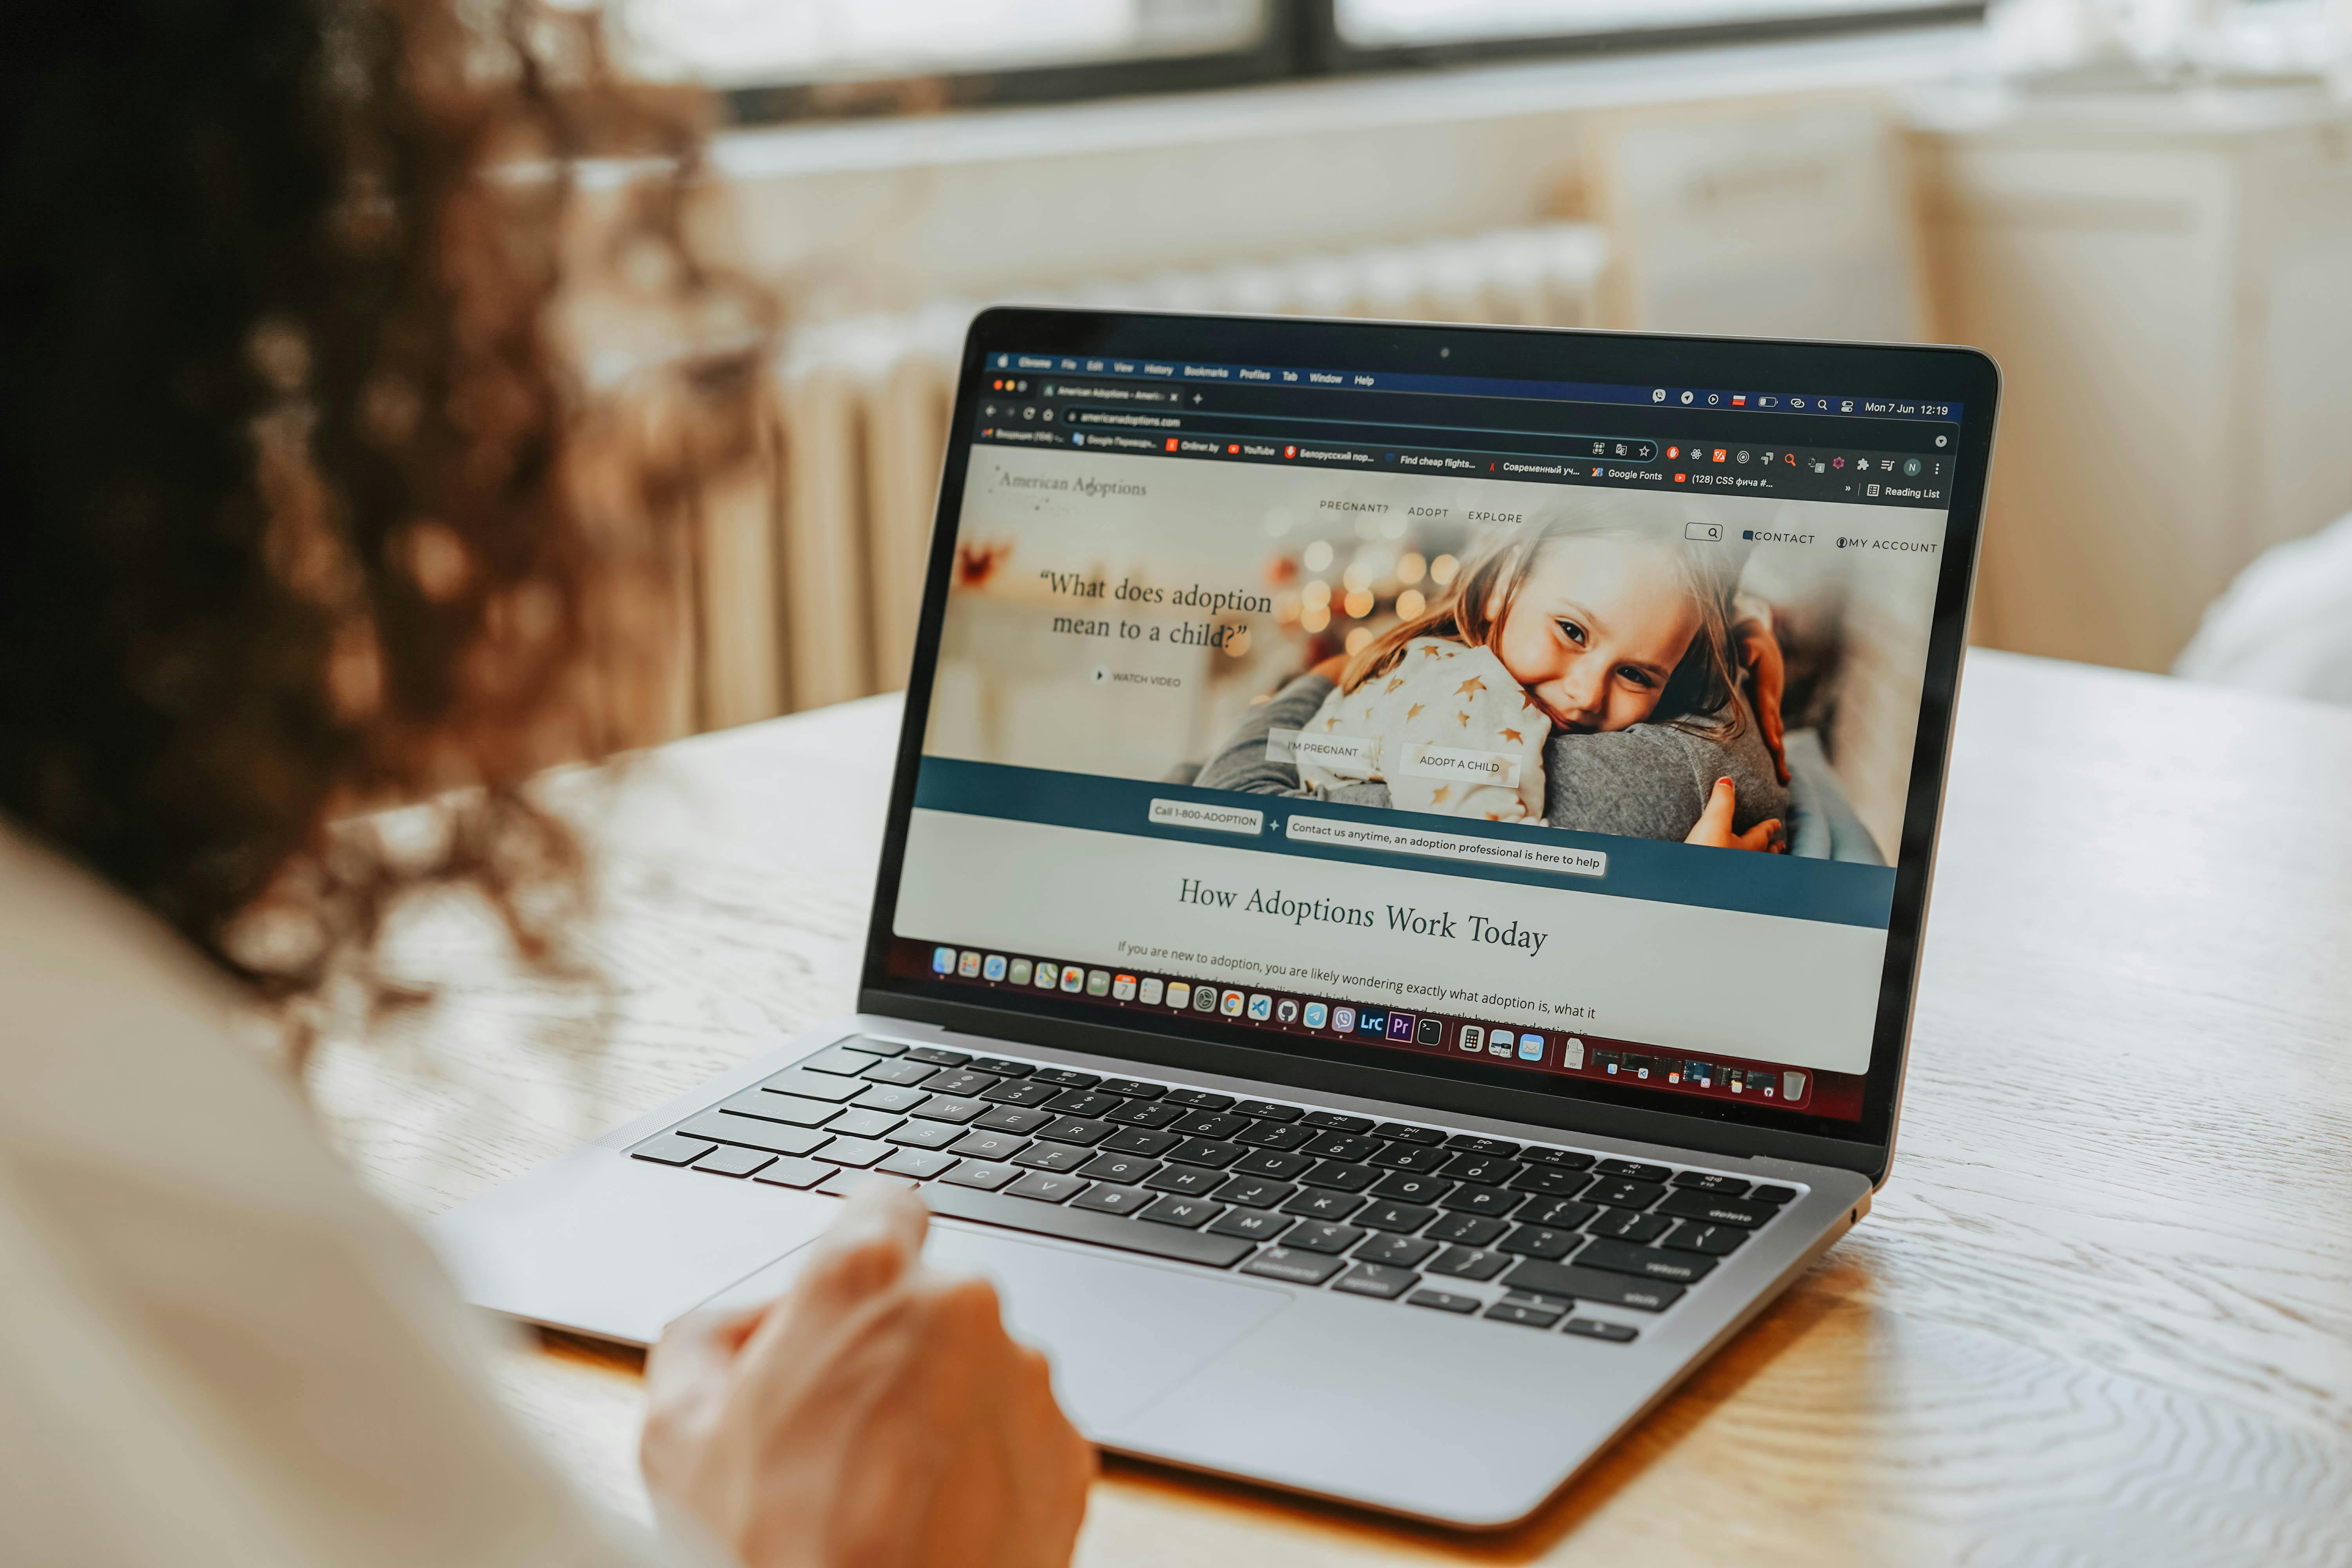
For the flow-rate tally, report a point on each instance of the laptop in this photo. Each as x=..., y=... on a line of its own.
x=1314, y=969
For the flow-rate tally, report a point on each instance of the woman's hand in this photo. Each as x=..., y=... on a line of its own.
x=876, y=1414
x=1714, y=829
x=1760, y=654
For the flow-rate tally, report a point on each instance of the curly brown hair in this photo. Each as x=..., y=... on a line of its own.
x=302, y=509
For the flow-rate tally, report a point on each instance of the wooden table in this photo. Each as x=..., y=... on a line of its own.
x=2103, y=1312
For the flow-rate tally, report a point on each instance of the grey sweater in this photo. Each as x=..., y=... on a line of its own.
x=1649, y=782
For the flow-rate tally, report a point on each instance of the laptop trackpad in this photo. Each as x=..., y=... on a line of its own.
x=1120, y=1334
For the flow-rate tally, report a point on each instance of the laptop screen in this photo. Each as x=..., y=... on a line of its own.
x=1562, y=728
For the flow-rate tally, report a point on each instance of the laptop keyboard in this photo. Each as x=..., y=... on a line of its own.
x=1536, y=1234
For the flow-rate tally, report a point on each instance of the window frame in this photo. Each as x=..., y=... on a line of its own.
x=1302, y=42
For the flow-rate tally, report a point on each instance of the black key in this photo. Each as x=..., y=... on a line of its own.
x=963, y=1083
x=717, y=1127
x=1187, y=1214
x=1052, y=1157
x=1649, y=1262
x=1211, y=1124
x=1186, y=1181
x=1256, y=1192
x=1322, y=1236
x=1714, y=1240
x=1066, y=1078
x=1002, y=1067
x=925, y=1135
x=1624, y=1224
x=857, y=1152
x=1082, y=1102
x=1470, y=1143
x=1575, y=1283
x=1551, y=1181
x=1251, y=1224
x=1273, y=1164
x=1274, y=1135
x=1408, y=1157
x=1106, y=1198
x=1491, y=1202
x=1523, y=1314
x=1074, y=1224
x=1625, y=1192
x=1267, y=1111
x=725, y=1161
x=989, y=1146
x=843, y=1182
x=1708, y=1182
x=1343, y=1146
x=1378, y=1279
x=814, y=1085
x=672, y=1149
x=1774, y=1195
x=1469, y=1263
x=1140, y=1141
x=1594, y=1329
x=874, y=1046
x=790, y=1173
x=884, y=1097
x=985, y=1174
x=937, y=1057
x=840, y=1059
x=1566, y=1159
x=905, y=1075
x=1013, y=1118
x=1046, y=1188
x=1560, y=1214
x=1130, y=1088
x=1128, y=1168
x=1402, y=1251
x=1403, y=1218
x=1404, y=1134
x=1336, y=1121
x=786, y=1107
x=1205, y=1151
x=1198, y=1099
x=1412, y=1187
x=920, y=1164
x=1076, y=1130
x=1297, y=1268
x=1713, y=1210
x=1539, y=1241
x=1467, y=1229
x=1319, y=1203
x=1488, y=1170
x=1018, y=1093
x=863, y=1123
x=942, y=1108
x=1338, y=1173
x=1145, y=1113
x=1633, y=1168
x=1443, y=1302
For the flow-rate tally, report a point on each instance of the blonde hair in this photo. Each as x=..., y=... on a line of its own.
x=1697, y=696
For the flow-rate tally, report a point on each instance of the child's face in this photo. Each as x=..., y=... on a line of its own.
x=1597, y=628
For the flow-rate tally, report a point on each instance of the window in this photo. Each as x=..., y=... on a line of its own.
x=780, y=59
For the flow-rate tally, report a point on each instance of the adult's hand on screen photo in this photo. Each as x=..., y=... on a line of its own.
x=876, y=1413
x=1759, y=654
x=1714, y=828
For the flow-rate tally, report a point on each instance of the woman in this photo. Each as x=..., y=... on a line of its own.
x=299, y=512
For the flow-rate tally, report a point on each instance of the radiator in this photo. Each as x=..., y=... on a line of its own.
x=811, y=597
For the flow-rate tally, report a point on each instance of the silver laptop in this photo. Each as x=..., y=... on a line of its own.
x=1314, y=969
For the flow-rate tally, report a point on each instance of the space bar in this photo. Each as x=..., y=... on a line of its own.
x=1076, y=1225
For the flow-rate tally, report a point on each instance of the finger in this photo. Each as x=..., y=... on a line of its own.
x=872, y=1245
x=1721, y=803
x=701, y=1343
x=1760, y=836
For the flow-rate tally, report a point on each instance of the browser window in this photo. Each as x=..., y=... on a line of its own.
x=1562, y=726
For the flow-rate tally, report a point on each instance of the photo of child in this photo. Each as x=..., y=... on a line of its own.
x=1729, y=671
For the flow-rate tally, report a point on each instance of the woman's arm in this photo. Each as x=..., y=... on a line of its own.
x=1654, y=781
